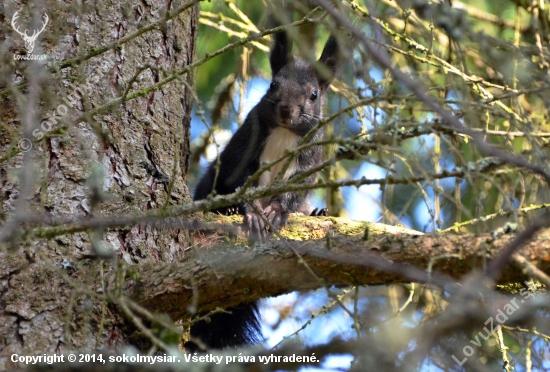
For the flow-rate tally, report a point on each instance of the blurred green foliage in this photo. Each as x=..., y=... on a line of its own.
x=485, y=61
x=480, y=59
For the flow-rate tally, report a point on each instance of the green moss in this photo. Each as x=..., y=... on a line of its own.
x=133, y=274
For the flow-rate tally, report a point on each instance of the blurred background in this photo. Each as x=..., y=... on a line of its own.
x=229, y=85
x=482, y=60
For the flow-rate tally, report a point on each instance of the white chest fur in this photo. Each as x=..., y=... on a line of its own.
x=279, y=140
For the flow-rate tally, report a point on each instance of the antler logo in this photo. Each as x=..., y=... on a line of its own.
x=29, y=40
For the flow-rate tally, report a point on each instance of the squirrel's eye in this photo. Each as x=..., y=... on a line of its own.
x=273, y=85
x=313, y=96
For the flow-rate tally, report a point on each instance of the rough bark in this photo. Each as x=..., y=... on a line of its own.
x=357, y=253
x=130, y=158
x=56, y=296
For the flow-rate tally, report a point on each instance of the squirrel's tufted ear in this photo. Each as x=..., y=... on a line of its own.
x=331, y=61
x=280, y=52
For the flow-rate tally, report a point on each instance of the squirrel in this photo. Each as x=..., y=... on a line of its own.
x=291, y=107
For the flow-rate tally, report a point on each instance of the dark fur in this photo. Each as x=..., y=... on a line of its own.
x=292, y=104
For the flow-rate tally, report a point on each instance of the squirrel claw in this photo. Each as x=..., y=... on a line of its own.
x=227, y=211
x=323, y=212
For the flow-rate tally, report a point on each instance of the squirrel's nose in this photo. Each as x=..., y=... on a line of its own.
x=284, y=112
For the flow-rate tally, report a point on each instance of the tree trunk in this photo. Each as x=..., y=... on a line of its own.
x=126, y=159
x=94, y=144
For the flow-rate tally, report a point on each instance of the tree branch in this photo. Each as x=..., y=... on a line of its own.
x=228, y=273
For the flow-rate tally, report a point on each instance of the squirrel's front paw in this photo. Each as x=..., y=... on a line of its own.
x=255, y=225
x=276, y=215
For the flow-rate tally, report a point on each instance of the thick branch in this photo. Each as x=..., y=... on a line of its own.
x=231, y=272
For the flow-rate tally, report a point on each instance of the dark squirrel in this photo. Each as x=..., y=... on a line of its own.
x=286, y=113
